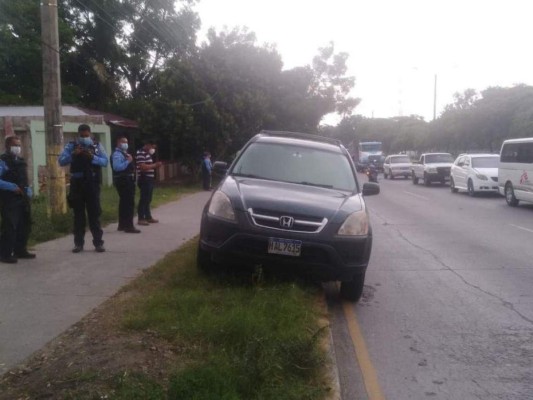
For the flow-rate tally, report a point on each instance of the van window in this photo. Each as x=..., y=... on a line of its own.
x=517, y=153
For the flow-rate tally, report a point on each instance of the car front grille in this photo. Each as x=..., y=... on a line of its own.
x=443, y=171
x=287, y=222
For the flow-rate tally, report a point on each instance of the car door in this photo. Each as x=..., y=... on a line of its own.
x=386, y=166
x=465, y=171
x=457, y=169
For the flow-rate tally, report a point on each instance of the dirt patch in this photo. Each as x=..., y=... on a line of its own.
x=88, y=357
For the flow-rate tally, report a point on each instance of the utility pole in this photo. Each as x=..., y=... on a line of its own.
x=52, y=108
x=435, y=99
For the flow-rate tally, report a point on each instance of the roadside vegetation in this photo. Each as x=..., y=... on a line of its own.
x=175, y=333
x=44, y=229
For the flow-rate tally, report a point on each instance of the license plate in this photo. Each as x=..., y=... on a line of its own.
x=286, y=247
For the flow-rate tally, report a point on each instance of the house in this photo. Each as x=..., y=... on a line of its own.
x=27, y=122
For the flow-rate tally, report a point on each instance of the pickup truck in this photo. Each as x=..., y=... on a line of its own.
x=432, y=167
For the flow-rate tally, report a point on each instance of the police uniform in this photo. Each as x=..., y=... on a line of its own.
x=124, y=181
x=15, y=208
x=84, y=193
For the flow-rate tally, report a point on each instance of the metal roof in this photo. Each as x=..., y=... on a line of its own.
x=69, y=111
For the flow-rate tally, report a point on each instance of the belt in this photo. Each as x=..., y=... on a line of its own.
x=80, y=175
x=123, y=176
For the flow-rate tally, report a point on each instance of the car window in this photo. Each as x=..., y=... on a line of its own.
x=467, y=162
x=460, y=161
x=438, y=158
x=296, y=164
x=397, y=160
x=485, y=162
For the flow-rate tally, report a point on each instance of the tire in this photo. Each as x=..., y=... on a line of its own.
x=470, y=186
x=509, y=195
x=414, y=179
x=427, y=182
x=353, y=290
x=203, y=261
x=452, y=186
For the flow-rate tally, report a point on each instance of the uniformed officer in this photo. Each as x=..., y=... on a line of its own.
x=124, y=181
x=15, y=208
x=86, y=158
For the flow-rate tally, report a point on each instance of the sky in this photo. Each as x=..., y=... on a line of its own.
x=396, y=47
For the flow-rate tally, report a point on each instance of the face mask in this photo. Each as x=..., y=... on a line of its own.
x=124, y=146
x=15, y=150
x=86, y=141
x=151, y=152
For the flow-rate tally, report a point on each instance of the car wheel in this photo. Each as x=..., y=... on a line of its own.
x=414, y=178
x=352, y=290
x=452, y=186
x=471, y=191
x=203, y=261
x=427, y=182
x=509, y=195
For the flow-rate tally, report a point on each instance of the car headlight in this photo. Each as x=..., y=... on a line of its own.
x=432, y=170
x=482, y=177
x=355, y=225
x=221, y=207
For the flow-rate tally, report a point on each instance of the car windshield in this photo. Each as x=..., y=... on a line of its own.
x=397, y=160
x=296, y=164
x=439, y=158
x=485, y=162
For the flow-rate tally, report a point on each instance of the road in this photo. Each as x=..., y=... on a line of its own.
x=447, y=311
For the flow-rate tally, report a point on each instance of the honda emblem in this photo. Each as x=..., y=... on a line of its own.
x=286, y=222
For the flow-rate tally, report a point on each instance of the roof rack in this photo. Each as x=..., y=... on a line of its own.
x=300, y=135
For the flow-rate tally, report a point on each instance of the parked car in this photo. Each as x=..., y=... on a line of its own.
x=432, y=167
x=475, y=173
x=515, y=175
x=397, y=165
x=292, y=200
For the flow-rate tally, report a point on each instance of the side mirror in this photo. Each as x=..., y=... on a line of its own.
x=370, y=189
x=220, y=167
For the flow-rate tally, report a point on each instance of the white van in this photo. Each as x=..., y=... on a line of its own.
x=515, y=173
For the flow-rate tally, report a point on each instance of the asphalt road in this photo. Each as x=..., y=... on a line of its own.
x=447, y=311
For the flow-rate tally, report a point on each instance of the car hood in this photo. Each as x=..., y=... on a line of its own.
x=246, y=193
x=440, y=164
x=400, y=165
x=490, y=172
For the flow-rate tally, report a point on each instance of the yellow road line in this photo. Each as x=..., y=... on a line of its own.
x=370, y=376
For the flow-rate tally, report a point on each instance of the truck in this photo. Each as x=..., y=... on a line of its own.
x=368, y=152
x=432, y=167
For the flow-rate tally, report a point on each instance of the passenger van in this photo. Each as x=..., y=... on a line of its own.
x=515, y=173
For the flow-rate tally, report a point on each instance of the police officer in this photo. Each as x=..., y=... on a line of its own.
x=124, y=181
x=86, y=159
x=15, y=208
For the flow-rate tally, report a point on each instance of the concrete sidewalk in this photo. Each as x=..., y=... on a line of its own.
x=41, y=298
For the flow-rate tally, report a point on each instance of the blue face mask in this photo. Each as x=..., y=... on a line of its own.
x=86, y=141
x=124, y=146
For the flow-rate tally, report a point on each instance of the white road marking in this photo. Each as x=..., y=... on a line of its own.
x=522, y=228
x=416, y=195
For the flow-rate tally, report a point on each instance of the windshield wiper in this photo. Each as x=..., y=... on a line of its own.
x=316, y=184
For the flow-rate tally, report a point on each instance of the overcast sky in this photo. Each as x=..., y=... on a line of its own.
x=396, y=47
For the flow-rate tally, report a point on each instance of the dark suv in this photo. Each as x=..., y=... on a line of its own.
x=292, y=200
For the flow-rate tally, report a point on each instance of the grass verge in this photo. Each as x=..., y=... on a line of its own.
x=174, y=333
x=44, y=229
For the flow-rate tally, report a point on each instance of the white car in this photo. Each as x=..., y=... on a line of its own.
x=475, y=173
x=397, y=165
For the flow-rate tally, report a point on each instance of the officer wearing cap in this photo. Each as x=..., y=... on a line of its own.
x=86, y=158
x=124, y=181
x=15, y=207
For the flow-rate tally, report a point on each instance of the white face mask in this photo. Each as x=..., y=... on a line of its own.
x=15, y=150
x=151, y=152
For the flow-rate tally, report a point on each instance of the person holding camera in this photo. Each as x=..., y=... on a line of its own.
x=86, y=158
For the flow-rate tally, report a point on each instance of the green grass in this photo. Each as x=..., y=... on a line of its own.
x=44, y=228
x=245, y=340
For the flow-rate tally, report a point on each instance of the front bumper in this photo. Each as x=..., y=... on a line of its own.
x=323, y=256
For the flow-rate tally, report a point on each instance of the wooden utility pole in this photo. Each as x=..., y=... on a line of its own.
x=52, y=108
